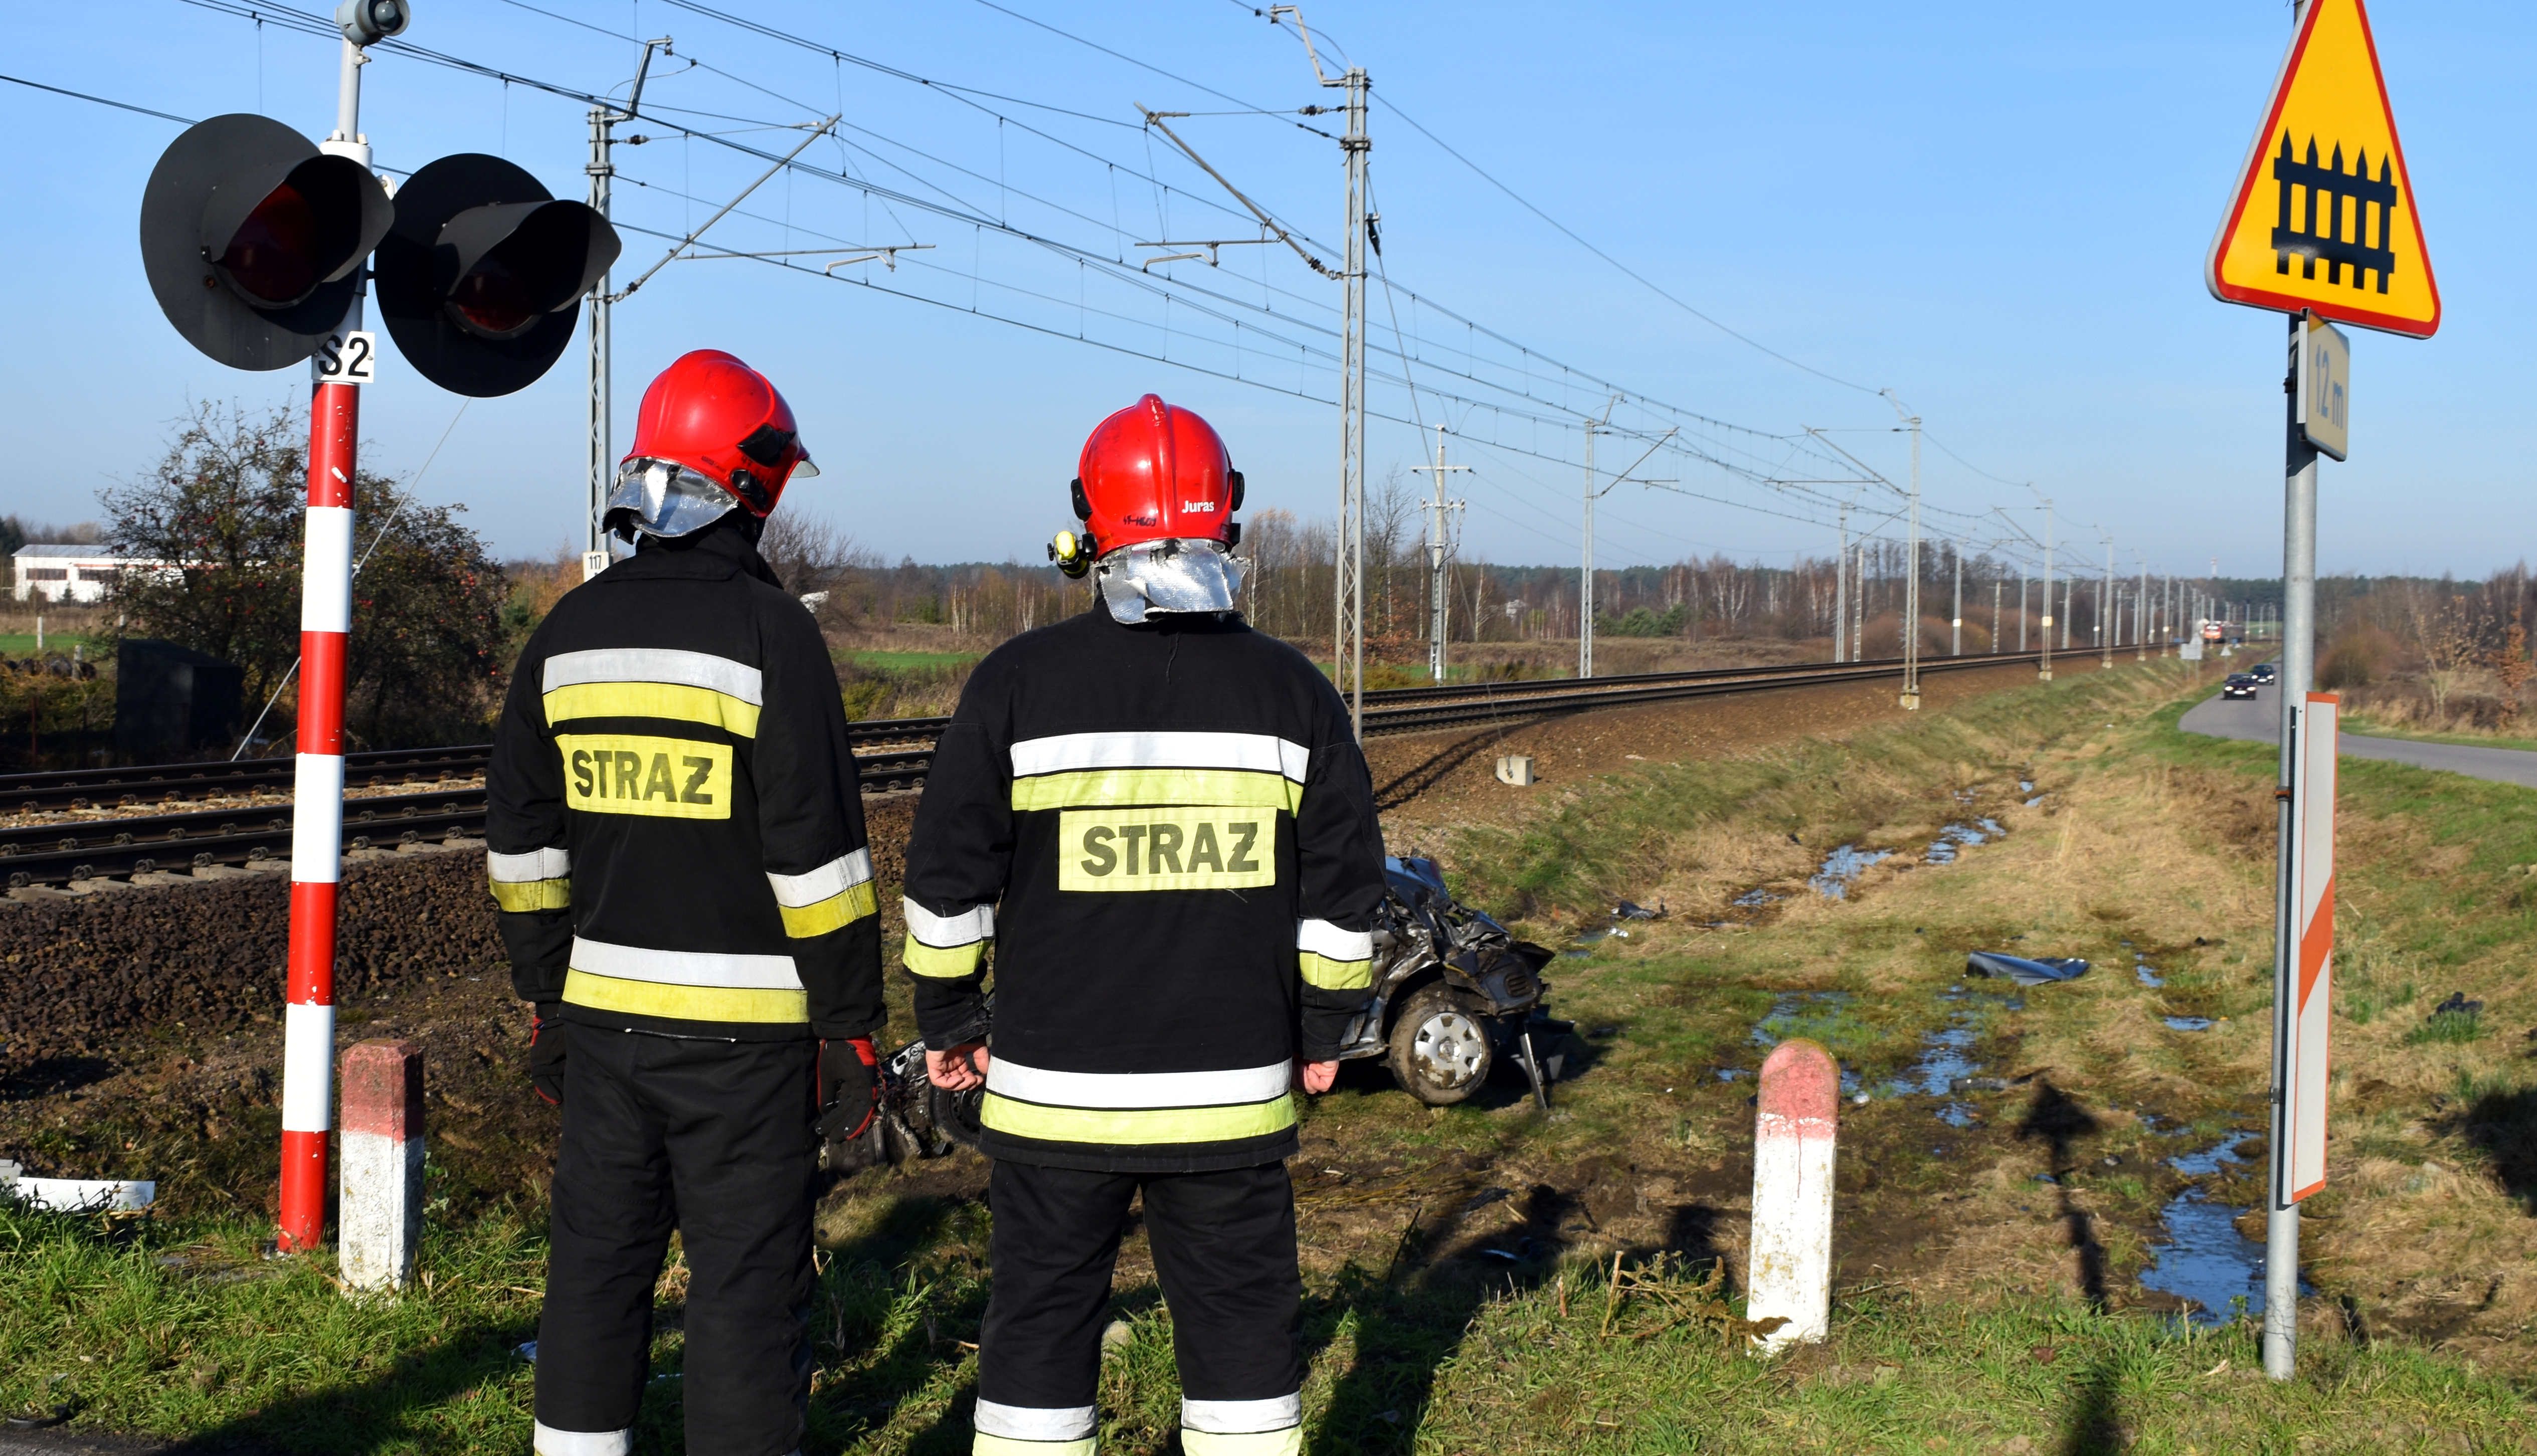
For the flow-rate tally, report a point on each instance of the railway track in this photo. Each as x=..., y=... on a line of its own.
x=448, y=796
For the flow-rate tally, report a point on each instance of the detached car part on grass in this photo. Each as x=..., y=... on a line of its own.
x=1453, y=993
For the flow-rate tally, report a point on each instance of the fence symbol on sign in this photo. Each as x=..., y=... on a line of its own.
x=2326, y=189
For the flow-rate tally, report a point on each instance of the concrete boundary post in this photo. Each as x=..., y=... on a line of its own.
x=1788, y=1267
x=382, y=1141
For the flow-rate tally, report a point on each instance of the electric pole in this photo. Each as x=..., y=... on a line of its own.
x=2104, y=605
x=1436, y=584
x=2044, y=669
x=1585, y=567
x=603, y=448
x=1841, y=591
x=1956, y=633
x=1995, y=613
x=1910, y=567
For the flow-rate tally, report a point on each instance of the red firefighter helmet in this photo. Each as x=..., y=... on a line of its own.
x=1155, y=472
x=712, y=433
x=1156, y=494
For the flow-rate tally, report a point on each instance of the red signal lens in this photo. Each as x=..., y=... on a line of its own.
x=269, y=256
x=494, y=300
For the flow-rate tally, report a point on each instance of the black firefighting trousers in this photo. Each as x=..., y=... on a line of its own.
x=712, y=1139
x=1224, y=1246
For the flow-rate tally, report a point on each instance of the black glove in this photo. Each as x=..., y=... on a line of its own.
x=546, y=1051
x=849, y=1088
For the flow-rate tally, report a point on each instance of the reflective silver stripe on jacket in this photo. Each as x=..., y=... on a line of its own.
x=1322, y=938
x=1242, y=1418
x=655, y=665
x=948, y=932
x=1033, y=1422
x=685, y=967
x=1257, y=752
x=529, y=868
x=837, y=877
x=1114, y=1091
x=549, y=1441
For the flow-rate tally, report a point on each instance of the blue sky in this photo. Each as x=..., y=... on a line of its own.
x=1997, y=211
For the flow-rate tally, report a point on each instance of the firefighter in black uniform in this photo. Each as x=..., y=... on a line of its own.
x=676, y=845
x=1162, y=821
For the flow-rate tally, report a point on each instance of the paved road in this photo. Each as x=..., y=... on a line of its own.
x=2260, y=721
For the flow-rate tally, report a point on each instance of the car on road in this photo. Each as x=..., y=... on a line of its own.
x=2263, y=672
x=2239, y=684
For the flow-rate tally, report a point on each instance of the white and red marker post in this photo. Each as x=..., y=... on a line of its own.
x=1788, y=1265
x=382, y=1205
x=317, y=792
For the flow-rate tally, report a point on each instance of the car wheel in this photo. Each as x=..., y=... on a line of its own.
x=1441, y=1053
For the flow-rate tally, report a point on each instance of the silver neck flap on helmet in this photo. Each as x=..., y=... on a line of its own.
x=662, y=497
x=1154, y=577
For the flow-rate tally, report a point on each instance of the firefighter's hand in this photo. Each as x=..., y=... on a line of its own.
x=959, y=1069
x=849, y=1088
x=546, y=1051
x=1317, y=1076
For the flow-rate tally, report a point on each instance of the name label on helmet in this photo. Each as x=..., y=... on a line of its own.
x=1198, y=508
x=632, y=773
x=1204, y=847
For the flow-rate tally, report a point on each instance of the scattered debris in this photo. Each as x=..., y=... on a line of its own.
x=2187, y=1023
x=1666, y=1288
x=2458, y=1005
x=2026, y=972
x=1628, y=911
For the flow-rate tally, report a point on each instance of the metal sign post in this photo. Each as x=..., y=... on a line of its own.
x=2322, y=225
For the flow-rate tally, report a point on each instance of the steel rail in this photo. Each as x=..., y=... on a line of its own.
x=57, y=851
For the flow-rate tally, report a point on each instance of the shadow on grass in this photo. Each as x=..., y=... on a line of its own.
x=2090, y=1428
x=391, y=1408
x=2505, y=1125
x=2056, y=1119
x=853, y=1306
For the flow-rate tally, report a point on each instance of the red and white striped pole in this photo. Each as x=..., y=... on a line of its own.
x=318, y=794
x=1789, y=1267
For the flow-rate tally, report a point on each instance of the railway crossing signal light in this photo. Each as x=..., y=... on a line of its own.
x=480, y=277
x=254, y=240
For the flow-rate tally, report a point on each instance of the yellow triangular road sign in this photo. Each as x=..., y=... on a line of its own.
x=2323, y=216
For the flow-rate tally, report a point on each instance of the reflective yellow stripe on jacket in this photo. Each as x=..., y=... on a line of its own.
x=946, y=947
x=1074, y=770
x=684, y=985
x=652, y=683
x=1138, y=1109
x=1332, y=959
x=831, y=898
x=540, y=880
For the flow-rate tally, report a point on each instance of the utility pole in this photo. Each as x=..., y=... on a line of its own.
x=1585, y=567
x=1910, y=567
x=2069, y=601
x=603, y=446
x=2105, y=606
x=1995, y=615
x=2044, y=669
x=2140, y=617
x=2021, y=611
x=1436, y=593
x=1349, y=655
x=1841, y=591
x=1858, y=610
x=1956, y=637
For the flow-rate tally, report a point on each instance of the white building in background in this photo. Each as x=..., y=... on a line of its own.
x=73, y=573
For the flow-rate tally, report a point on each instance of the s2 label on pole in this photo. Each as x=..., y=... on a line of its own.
x=2324, y=390
x=354, y=359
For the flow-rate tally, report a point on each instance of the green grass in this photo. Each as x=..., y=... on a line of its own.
x=2368, y=727
x=176, y=1329
x=2448, y=1028
x=900, y=662
x=23, y=643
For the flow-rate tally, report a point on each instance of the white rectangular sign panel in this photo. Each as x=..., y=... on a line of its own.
x=2311, y=961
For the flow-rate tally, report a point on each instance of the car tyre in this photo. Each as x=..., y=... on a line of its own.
x=1441, y=1053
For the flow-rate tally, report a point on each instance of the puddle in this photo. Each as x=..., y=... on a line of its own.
x=1754, y=898
x=2147, y=974
x=2026, y=786
x=2187, y=1023
x=1583, y=945
x=1801, y=1014
x=2206, y=1260
x=1956, y=837
x=1729, y=1074
x=2210, y=1159
x=1841, y=868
